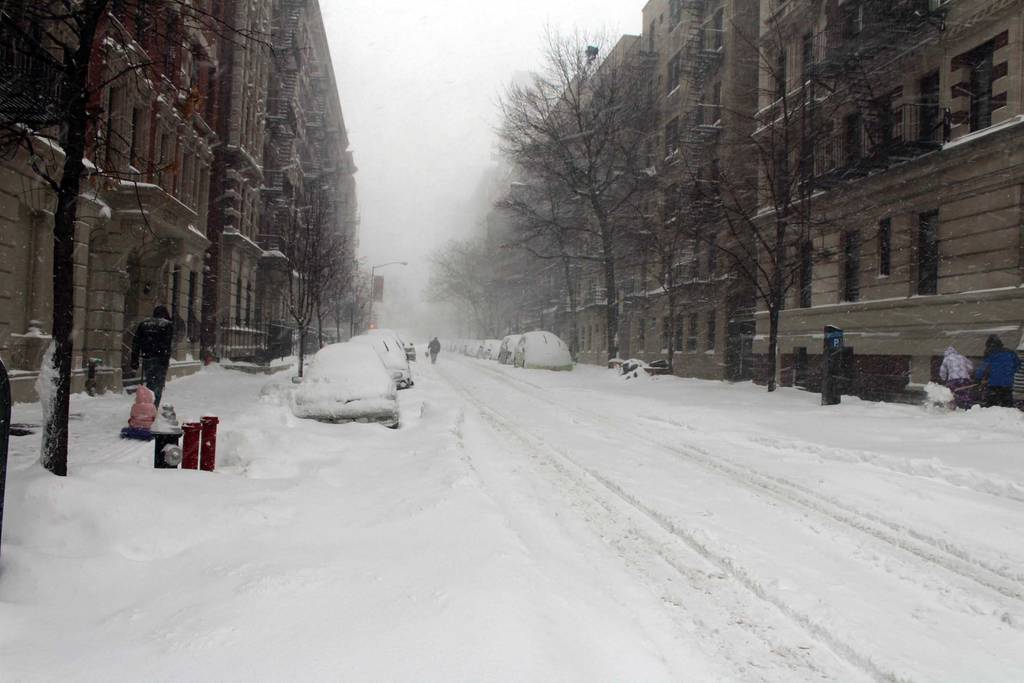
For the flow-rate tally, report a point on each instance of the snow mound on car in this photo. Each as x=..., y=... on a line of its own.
x=345, y=382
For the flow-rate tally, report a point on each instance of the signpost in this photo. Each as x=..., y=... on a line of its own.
x=831, y=366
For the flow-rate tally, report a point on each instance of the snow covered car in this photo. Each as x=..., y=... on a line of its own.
x=507, y=350
x=391, y=354
x=347, y=383
x=542, y=351
x=489, y=349
x=410, y=352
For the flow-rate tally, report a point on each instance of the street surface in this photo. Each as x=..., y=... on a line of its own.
x=524, y=525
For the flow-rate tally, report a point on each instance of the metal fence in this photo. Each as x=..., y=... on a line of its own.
x=5, y=436
x=256, y=343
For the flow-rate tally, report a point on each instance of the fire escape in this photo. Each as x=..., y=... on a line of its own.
x=30, y=77
x=283, y=127
x=853, y=61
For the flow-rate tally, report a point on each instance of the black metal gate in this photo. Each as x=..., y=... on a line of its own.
x=5, y=436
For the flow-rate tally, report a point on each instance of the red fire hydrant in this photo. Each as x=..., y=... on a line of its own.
x=190, y=448
x=208, y=458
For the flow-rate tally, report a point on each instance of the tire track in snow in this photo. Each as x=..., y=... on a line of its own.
x=937, y=552
x=597, y=487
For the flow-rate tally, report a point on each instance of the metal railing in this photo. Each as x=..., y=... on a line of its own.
x=256, y=343
x=5, y=436
x=902, y=133
x=30, y=79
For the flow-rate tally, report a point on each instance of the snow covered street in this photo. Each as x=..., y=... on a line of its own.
x=523, y=525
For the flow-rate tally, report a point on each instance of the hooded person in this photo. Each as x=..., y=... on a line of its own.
x=956, y=373
x=997, y=371
x=153, y=342
x=434, y=348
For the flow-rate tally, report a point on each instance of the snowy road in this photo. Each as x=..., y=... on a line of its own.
x=525, y=525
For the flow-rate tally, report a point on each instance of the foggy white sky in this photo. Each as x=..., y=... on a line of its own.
x=418, y=82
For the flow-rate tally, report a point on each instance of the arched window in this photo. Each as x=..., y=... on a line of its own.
x=238, y=301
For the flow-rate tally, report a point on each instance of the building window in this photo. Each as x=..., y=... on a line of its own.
x=248, y=303
x=671, y=203
x=675, y=12
x=643, y=334
x=806, y=275
x=115, y=105
x=928, y=107
x=650, y=37
x=980, y=62
x=885, y=247
x=192, y=328
x=238, y=302
x=665, y=330
x=675, y=67
x=671, y=137
x=719, y=27
x=806, y=56
x=852, y=126
x=709, y=343
x=691, y=341
x=175, y=293
x=851, y=265
x=780, y=75
x=853, y=19
x=713, y=256
x=678, y=341
x=928, y=253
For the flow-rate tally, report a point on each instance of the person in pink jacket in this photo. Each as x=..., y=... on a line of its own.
x=957, y=373
x=143, y=410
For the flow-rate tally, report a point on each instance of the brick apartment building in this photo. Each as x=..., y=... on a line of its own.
x=173, y=214
x=916, y=179
x=904, y=161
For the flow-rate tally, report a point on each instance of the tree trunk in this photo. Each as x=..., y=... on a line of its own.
x=573, y=322
x=777, y=299
x=302, y=348
x=54, y=456
x=319, y=327
x=671, y=322
x=773, y=346
x=611, y=307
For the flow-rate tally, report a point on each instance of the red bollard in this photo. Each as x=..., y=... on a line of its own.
x=208, y=459
x=190, y=448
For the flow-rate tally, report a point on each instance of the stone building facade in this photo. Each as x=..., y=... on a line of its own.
x=917, y=184
x=170, y=212
x=904, y=151
x=142, y=220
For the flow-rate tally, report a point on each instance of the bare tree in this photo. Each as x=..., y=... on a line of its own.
x=58, y=47
x=547, y=224
x=316, y=254
x=757, y=208
x=579, y=126
x=463, y=275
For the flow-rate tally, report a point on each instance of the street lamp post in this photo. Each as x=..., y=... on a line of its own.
x=373, y=269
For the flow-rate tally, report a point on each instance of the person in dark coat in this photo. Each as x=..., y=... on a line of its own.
x=996, y=372
x=434, y=348
x=154, y=339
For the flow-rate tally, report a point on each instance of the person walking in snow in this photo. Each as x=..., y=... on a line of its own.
x=433, y=348
x=996, y=372
x=956, y=373
x=154, y=339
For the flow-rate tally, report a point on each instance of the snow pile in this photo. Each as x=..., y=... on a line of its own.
x=391, y=353
x=346, y=382
x=544, y=350
x=937, y=395
x=46, y=387
x=490, y=348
